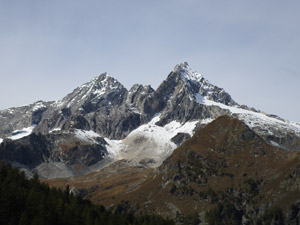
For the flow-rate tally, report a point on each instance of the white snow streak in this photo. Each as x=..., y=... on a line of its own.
x=275, y=144
x=17, y=134
x=252, y=119
x=55, y=129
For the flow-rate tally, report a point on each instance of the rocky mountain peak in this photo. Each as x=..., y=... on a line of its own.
x=181, y=66
x=104, y=79
x=187, y=74
x=102, y=83
x=92, y=92
x=184, y=79
x=102, y=76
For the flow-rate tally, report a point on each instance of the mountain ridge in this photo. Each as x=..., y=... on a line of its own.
x=131, y=121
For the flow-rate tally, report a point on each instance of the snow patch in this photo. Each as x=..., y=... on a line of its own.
x=275, y=144
x=86, y=135
x=175, y=127
x=55, y=129
x=17, y=134
x=206, y=121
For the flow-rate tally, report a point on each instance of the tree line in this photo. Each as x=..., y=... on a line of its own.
x=29, y=202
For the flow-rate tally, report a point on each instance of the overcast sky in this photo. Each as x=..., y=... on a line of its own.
x=251, y=48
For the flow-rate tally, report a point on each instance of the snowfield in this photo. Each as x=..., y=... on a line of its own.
x=149, y=141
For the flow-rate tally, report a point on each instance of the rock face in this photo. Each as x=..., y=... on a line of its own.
x=180, y=92
x=20, y=117
x=99, y=105
x=29, y=151
x=104, y=108
x=179, y=138
x=72, y=148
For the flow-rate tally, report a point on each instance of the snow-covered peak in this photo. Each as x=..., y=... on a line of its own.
x=196, y=84
x=187, y=74
x=102, y=81
x=99, y=87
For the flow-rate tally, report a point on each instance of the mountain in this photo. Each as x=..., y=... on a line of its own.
x=225, y=173
x=186, y=150
x=141, y=125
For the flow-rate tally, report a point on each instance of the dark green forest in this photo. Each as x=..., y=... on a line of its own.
x=29, y=202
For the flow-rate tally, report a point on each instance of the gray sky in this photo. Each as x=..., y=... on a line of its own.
x=251, y=48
